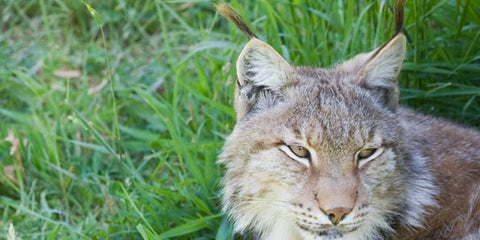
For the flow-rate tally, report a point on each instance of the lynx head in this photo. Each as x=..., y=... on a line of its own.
x=319, y=153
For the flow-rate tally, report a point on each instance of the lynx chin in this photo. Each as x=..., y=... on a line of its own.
x=328, y=153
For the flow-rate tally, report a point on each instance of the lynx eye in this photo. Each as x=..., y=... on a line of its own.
x=299, y=151
x=367, y=154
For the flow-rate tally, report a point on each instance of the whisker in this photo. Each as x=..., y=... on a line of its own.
x=263, y=202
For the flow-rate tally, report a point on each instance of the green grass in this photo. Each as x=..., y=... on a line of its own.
x=110, y=155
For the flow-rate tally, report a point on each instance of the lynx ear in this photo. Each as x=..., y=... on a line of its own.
x=381, y=70
x=261, y=73
x=261, y=65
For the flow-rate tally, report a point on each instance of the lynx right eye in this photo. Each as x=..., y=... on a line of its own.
x=297, y=153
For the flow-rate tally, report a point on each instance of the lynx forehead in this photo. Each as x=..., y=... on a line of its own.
x=329, y=154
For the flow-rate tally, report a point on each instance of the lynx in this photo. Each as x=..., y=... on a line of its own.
x=329, y=154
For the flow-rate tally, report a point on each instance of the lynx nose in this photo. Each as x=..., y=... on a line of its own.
x=337, y=214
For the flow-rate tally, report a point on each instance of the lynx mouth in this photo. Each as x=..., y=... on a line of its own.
x=330, y=234
x=327, y=230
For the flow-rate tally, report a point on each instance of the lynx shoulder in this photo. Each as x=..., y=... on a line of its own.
x=329, y=154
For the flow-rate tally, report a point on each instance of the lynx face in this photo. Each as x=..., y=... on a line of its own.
x=328, y=189
x=319, y=153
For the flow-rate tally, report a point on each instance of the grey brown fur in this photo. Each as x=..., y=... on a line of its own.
x=420, y=178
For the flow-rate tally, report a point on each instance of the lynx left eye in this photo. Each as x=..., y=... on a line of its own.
x=365, y=153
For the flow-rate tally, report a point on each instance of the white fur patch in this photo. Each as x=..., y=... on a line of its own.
x=420, y=193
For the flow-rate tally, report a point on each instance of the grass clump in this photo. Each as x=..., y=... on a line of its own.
x=116, y=119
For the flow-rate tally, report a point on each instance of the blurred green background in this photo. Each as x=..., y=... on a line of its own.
x=111, y=116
